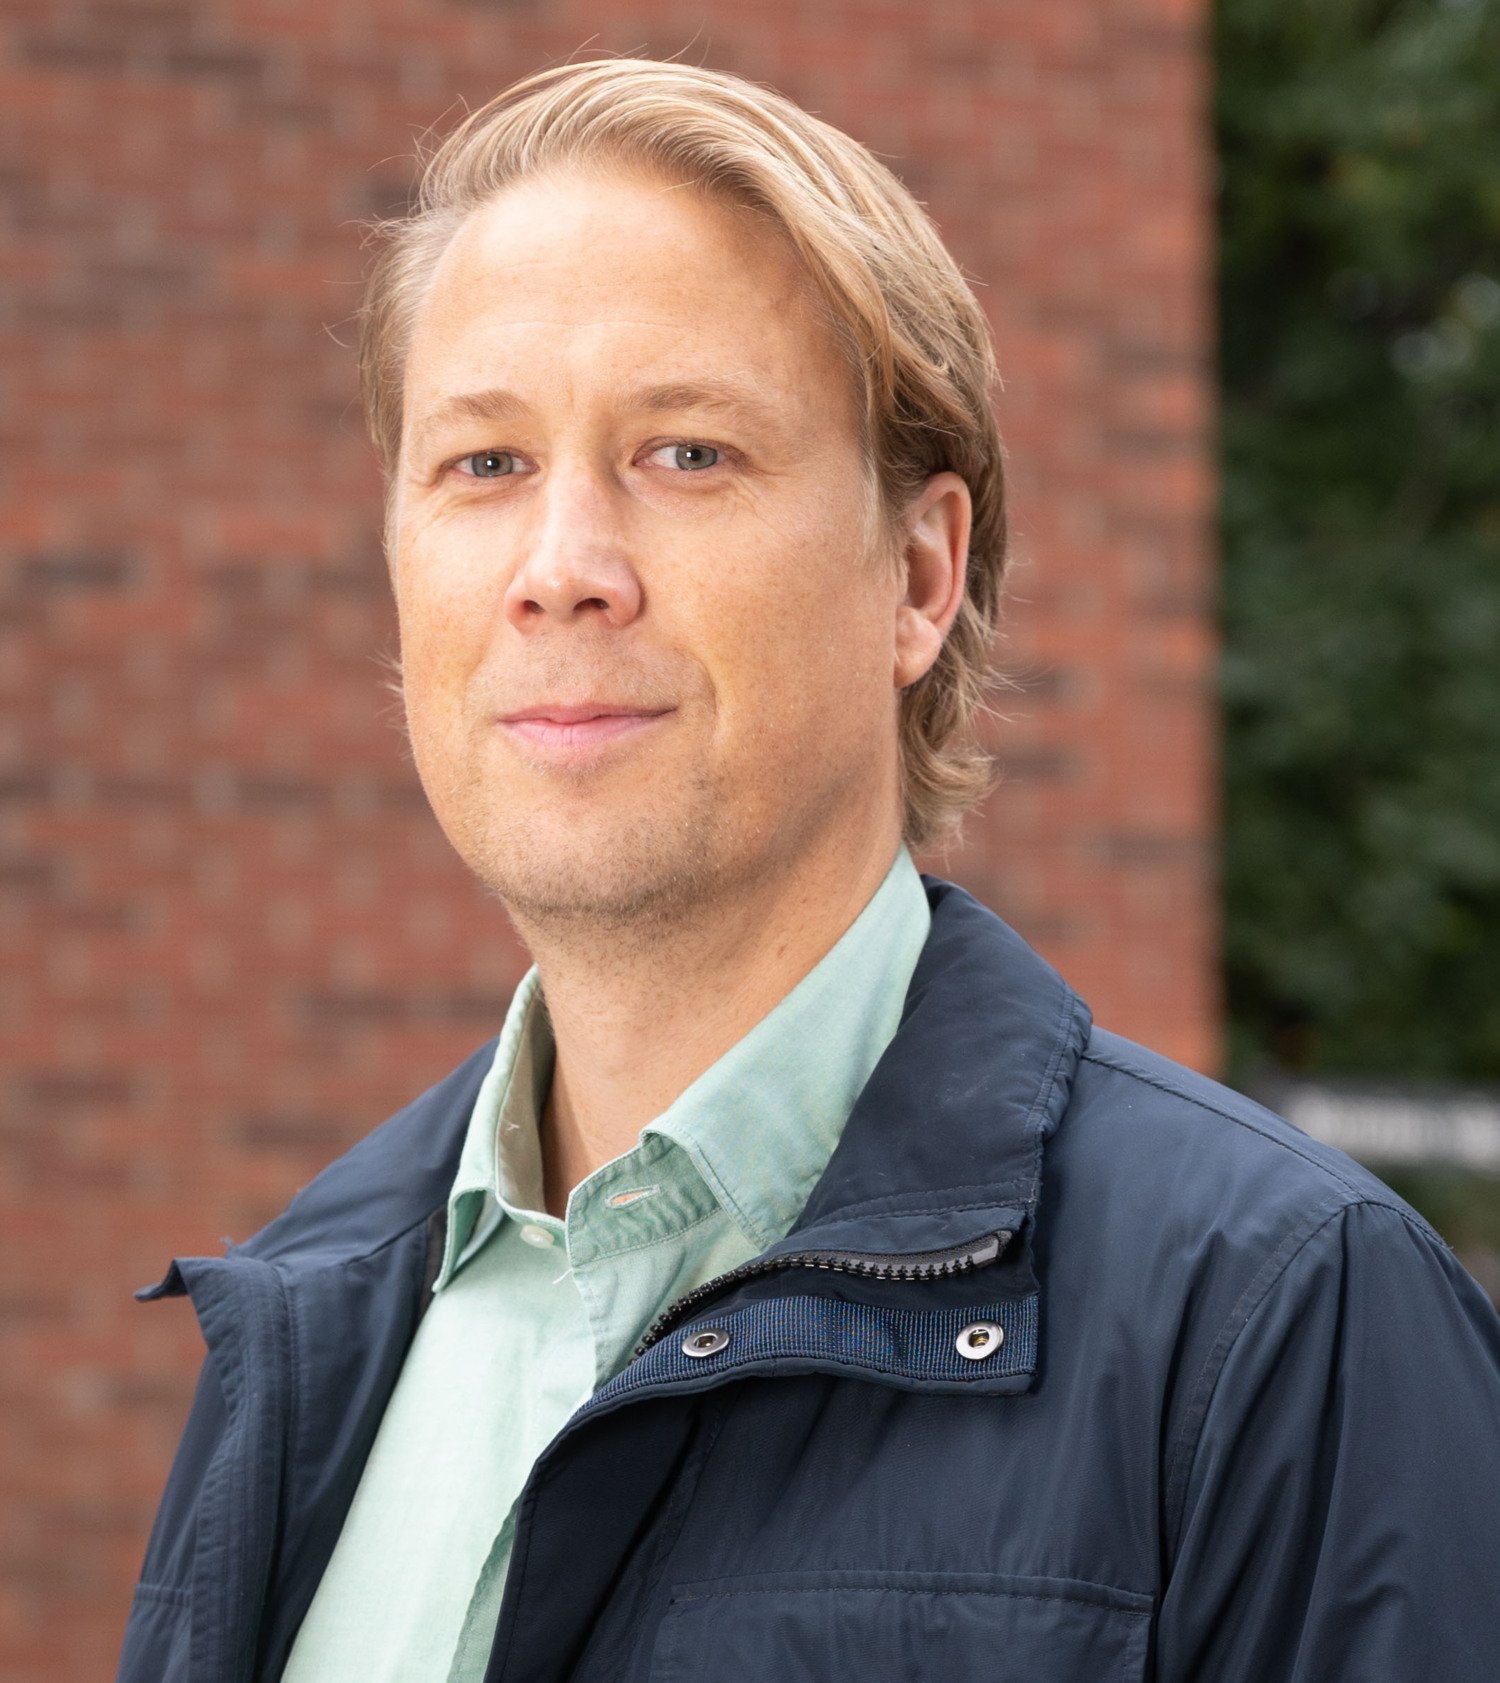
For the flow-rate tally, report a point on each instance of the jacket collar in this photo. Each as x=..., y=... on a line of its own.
x=948, y=1129
x=943, y=1144
x=940, y=1162
x=951, y=1125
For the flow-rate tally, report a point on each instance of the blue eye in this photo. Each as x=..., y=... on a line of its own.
x=694, y=456
x=488, y=464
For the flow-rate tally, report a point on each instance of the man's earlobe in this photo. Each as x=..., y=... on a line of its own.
x=938, y=524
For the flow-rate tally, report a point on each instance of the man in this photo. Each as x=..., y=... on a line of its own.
x=800, y=1287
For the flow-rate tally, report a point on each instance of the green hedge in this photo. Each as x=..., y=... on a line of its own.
x=1360, y=363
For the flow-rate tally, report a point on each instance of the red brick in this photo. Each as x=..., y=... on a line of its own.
x=209, y=797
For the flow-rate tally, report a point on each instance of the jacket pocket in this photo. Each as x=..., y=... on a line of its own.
x=901, y=1627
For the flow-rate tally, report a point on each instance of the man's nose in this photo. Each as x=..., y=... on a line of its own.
x=576, y=562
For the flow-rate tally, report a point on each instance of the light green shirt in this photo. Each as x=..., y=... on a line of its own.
x=531, y=1314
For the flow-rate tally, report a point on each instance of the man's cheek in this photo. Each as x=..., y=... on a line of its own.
x=434, y=701
x=440, y=637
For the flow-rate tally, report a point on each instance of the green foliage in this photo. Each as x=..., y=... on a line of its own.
x=1360, y=351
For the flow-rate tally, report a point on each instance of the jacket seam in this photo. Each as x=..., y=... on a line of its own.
x=1061, y=1041
x=168, y=1593
x=1184, y=1455
x=717, y=1412
x=1356, y=1193
x=291, y=1306
x=687, y=1599
x=234, y=1487
x=282, y=1266
x=287, y=1447
x=521, y=1550
x=993, y=1190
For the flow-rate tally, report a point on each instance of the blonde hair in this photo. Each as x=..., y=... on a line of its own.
x=917, y=341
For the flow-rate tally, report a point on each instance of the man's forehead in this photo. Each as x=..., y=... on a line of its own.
x=605, y=235
x=624, y=296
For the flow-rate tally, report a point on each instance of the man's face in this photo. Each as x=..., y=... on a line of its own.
x=648, y=641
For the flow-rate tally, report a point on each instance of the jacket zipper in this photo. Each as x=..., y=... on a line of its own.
x=866, y=1265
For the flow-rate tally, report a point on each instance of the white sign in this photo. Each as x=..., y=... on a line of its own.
x=1389, y=1126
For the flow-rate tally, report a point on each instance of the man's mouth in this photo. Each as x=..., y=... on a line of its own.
x=578, y=725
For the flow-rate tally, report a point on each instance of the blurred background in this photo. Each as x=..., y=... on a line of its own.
x=1243, y=268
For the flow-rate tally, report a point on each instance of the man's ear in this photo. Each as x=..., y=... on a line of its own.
x=936, y=556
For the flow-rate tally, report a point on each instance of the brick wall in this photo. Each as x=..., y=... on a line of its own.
x=233, y=938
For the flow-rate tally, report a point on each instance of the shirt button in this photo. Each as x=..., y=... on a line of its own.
x=541, y=1237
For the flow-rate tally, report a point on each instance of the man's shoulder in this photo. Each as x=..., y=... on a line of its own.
x=388, y=1182
x=1161, y=1113
x=1161, y=1175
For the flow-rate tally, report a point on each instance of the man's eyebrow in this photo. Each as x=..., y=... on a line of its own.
x=716, y=396
x=719, y=396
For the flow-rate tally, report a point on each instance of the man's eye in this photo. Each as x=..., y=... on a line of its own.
x=487, y=464
x=692, y=457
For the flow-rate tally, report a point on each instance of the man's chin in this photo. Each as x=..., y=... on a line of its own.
x=557, y=900
x=641, y=875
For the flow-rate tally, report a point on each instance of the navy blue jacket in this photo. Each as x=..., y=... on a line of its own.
x=1231, y=1413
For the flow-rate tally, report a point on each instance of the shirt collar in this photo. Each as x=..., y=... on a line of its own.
x=760, y=1123
x=949, y=1127
x=502, y=1155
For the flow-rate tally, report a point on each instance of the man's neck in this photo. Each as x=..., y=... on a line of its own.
x=637, y=1020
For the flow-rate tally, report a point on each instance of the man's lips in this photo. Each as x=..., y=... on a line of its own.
x=578, y=725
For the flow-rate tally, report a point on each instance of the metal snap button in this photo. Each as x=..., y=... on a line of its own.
x=706, y=1341
x=979, y=1339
